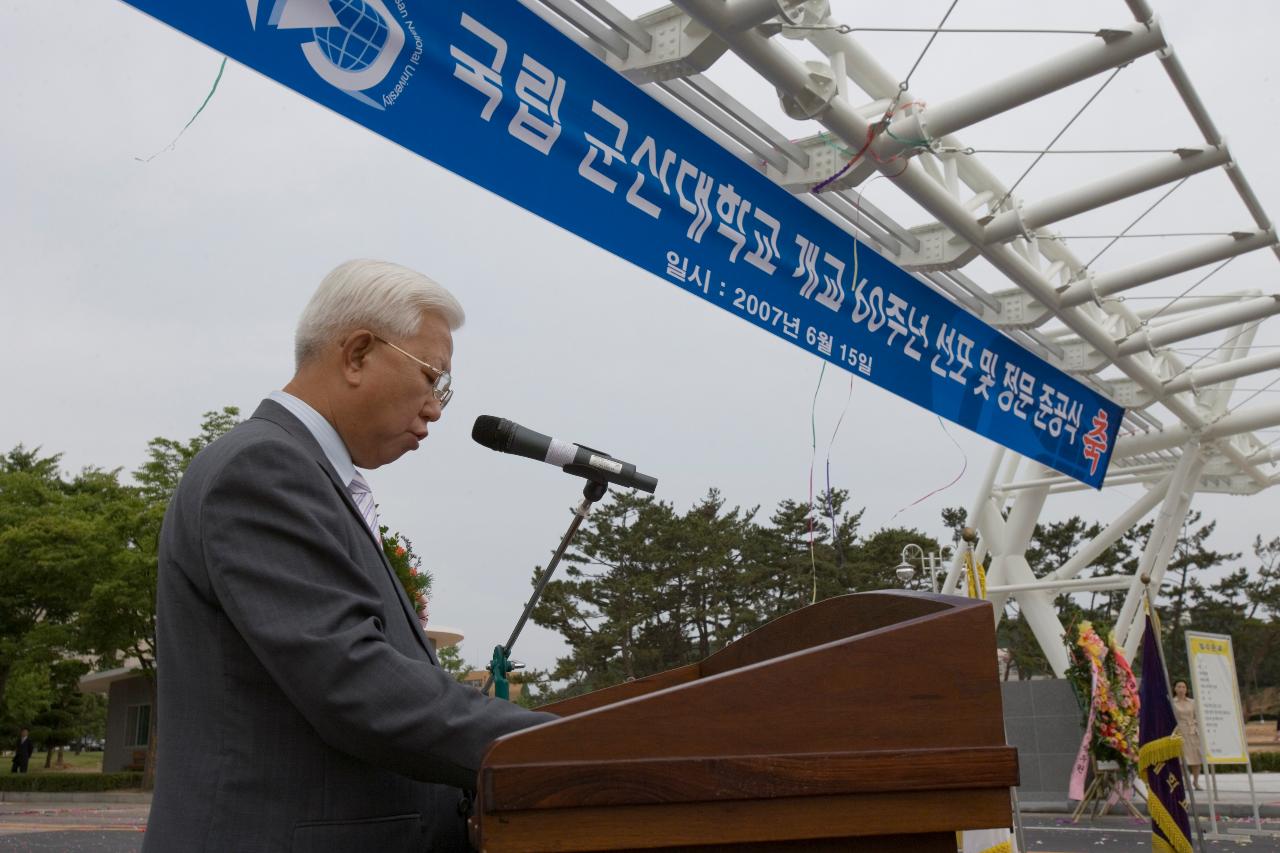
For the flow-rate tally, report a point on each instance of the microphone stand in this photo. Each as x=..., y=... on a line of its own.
x=501, y=663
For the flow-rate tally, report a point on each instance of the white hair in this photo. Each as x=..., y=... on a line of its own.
x=383, y=297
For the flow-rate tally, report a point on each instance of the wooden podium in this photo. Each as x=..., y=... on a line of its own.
x=868, y=722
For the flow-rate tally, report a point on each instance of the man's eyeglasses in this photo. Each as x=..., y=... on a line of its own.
x=443, y=385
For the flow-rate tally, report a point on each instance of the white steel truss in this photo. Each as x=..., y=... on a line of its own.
x=1043, y=295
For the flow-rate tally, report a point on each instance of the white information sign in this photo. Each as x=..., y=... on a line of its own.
x=1217, y=695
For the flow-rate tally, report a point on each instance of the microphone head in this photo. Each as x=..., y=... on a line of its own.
x=487, y=431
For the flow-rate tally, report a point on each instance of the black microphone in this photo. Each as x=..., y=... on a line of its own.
x=509, y=437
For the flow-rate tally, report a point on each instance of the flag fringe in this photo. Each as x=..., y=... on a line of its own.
x=1177, y=842
x=1159, y=751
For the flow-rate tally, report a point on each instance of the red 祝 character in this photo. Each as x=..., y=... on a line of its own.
x=1095, y=441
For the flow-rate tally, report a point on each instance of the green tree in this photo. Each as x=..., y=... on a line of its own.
x=873, y=564
x=58, y=725
x=1184, y=600
x=118, y=618
x=1014, y=635
x=805, y=554
x=536, y=687
x=647, y=588
x=1120, y=558
x=53, y=544
x=1190, y=554
x=452, y=661
x=1242, y=604
x=609, y=602
x=91, y=721
x=29, y=695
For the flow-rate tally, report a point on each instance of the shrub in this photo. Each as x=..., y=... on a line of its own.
x=70, y=782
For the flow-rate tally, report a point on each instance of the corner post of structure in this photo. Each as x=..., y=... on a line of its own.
x=1164, y=535
x=1009, y=566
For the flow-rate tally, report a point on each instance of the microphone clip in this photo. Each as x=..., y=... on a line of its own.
x=595, y=487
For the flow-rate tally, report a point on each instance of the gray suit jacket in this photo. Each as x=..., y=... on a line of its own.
x=300, y=705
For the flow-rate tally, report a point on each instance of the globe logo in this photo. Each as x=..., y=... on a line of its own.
x=355, y=43
x=358, y=39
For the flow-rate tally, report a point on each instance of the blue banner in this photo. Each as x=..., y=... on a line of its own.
x=492, y=92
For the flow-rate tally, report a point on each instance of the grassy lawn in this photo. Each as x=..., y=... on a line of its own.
x=85, y=762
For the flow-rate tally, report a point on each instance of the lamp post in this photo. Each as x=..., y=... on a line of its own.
x=905, y=571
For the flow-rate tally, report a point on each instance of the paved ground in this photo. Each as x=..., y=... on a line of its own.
x=1056, y=834
x=118, y=828
x=109, y=828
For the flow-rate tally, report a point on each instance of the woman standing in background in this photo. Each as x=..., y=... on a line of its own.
x=1184, y=709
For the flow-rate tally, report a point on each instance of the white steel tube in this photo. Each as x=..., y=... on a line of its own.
x=1023, y=517
x=1203, y=377
x=1249, y=420
x=1031, y=83
x=1162, y=170
x=1095, y=547
x=1077, y=585
x=1058, y=479
x=634, y=33
x=990, y=521
x=1209, y=321
x=1156, y=572
x=1265, y=457
x=788, y=74
x=1252, y=418
x=1219, y=397
x=876, y=81
x=1208, y=252
x=1163, y=533
x=1181, y=82
x=744, y=14
x=1134, y=480
x=1066, y=488
x=1065, y=337
x=1010, y=565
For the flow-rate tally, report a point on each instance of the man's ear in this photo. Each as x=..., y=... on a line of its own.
x=355, y=355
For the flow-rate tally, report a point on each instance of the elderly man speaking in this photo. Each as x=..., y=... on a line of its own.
x=303, y=707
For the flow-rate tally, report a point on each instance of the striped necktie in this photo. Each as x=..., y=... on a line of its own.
x=362, y=494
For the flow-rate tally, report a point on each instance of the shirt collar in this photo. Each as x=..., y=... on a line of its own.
x=322, y=431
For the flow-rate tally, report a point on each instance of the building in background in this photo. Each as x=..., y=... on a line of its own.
x=129, y=705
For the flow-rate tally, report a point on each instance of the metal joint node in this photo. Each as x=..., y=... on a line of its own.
x=1109, y=35
x=804, y=13
x=1026, y=232
x=817, y=95
x=1094, y=295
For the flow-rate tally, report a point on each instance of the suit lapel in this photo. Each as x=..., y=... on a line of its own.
x=282, y=417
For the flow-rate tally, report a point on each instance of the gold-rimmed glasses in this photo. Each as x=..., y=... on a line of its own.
x=442, y=387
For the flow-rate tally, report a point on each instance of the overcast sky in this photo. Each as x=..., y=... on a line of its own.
x=137, y=296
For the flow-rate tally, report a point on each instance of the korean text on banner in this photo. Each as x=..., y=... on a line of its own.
x=493, y=93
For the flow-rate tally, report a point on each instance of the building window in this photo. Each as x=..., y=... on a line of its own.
x=137, y=727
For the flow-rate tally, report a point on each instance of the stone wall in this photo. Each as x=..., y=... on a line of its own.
x=1042, y=719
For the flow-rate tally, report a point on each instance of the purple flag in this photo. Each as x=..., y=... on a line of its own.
x=1160, y=754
